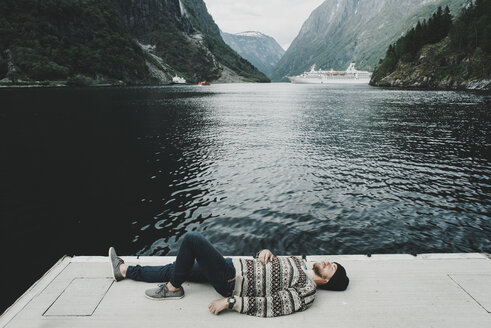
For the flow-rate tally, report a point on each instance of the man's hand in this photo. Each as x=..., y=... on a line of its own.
x=218, y=306
x=265, y=256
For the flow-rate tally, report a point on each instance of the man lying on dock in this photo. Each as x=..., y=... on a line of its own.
x=267, y=286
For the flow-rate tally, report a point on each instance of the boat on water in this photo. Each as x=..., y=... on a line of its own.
x=178, y=80
x=203, y=83
x=351, y=75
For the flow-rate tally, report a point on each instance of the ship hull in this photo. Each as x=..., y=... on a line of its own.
x=350, y=76
x=302, y=80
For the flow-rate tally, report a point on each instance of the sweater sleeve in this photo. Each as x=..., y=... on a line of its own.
x=280, y=303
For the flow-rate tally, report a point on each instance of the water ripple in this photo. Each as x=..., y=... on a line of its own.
x=303, y=169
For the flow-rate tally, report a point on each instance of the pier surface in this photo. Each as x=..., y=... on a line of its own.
x=427, y=290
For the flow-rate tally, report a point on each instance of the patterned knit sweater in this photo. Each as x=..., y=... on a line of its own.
x=280, y=287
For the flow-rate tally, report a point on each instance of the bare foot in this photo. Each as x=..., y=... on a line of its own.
x=122, y=268
x=172, y=288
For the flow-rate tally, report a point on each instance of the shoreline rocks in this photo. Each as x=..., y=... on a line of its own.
x=438, y=67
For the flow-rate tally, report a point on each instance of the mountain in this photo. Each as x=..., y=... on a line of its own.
x=342, y=31
x=441, y=54
x=261, y=50
x=133, y=41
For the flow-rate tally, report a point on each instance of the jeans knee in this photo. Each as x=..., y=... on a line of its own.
x=191, y=237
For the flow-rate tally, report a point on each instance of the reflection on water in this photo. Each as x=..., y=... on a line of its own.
x=308, y=169
x=296, y=168
x=314, y=169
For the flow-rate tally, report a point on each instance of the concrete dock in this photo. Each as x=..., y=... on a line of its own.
x=427, y=290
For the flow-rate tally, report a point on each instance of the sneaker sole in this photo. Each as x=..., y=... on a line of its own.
x=164, y=298
x=111, y=263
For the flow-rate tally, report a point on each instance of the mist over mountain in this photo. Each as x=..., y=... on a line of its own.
x=342, y=31
x=261, y=50
x=133, y=41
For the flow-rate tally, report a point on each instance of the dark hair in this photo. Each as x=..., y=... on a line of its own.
x=339, y=280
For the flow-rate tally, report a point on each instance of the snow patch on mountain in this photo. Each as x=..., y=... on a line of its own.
x=252, y=34
x=259, y=49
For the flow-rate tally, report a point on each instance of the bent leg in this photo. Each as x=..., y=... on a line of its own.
x=150, y=273
x=162, y=273
x=211, y=263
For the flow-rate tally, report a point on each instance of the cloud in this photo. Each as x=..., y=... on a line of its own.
x=281, y=19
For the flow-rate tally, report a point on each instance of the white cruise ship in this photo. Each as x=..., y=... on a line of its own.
x=351, y=75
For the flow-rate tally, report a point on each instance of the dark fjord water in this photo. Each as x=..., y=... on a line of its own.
x=295, y=168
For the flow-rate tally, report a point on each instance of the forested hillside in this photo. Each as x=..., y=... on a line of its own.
x=204, y=22
x=406, y=48
x=441, y=53
x=339, y=32
x=114, y=41
x=57, y=39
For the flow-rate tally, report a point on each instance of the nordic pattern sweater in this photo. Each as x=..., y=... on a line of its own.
x=278, y=288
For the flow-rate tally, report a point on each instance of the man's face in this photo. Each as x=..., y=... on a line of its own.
x=325, y=270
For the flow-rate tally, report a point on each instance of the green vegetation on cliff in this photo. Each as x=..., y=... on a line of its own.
x=101, y=41
x=160, y=26
x=439, y=53
x=472, y=29
x=406, y=48
x=57, y=39
x=205, y=23
x=339, y=32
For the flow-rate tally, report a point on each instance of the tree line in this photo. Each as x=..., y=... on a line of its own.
x=57, y=39
x=87, y=41
x=471, y=30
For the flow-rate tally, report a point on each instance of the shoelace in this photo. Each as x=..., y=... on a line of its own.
x=161, y=288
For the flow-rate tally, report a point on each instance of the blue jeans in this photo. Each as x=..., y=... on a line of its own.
x=197, y=261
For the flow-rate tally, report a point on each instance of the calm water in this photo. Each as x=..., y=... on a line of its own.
x=296, y=168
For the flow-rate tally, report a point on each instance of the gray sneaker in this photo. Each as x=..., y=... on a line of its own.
x=115, y=261
x=163, y=293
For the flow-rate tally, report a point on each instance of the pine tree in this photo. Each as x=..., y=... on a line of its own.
x=435, y=29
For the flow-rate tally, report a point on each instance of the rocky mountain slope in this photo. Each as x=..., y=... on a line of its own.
x=133, y=41
x=438, y=67
x=261, y=50
x=341, y=31
x=441, y=53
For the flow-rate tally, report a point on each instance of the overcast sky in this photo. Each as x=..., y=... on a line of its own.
x=281, y=19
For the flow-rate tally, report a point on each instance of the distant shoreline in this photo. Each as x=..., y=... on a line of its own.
x=475, y=85
x=482, y=85
x=46, y=84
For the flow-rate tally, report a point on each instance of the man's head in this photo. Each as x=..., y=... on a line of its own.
x=330, y=276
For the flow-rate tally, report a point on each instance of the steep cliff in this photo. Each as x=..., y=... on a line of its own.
x=441, y=53
x=261, y=50
x=136, y=41
x=438, y=67
x=183, y=34
x=225, y=55
x=172, y=44
x=341, y=31
x=53, y=40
